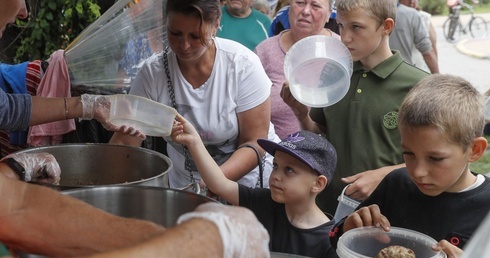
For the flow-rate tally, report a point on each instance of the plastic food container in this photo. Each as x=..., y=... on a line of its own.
x=346, y=206
x=318, y=69
x=366, y=242
x=150, y=117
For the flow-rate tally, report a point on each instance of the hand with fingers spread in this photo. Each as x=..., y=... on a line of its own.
x=363, y=184
x=98, y=107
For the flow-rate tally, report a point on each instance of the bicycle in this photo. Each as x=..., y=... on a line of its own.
x=453, y=27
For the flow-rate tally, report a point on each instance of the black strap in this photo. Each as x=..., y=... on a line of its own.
x=259, y=158
x=16, y=167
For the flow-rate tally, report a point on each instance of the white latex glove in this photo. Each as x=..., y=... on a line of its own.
x=39, y=167
x=98, y=107
x=241, y=233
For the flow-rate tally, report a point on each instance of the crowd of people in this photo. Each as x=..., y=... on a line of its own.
x=392, y=137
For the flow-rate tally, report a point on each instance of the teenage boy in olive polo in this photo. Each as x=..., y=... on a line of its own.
x=363, y=125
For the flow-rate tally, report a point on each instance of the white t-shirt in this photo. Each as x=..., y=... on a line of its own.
x=237, y=83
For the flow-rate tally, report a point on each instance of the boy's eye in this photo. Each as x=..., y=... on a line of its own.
x=288, y=170
x=274, y=166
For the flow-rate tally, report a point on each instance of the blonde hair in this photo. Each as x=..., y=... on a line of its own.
x=378, y=9
x=450, y=104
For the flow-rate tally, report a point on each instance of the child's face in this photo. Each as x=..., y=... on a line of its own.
x=291, y=180
x=434, y=164
x=361, y=33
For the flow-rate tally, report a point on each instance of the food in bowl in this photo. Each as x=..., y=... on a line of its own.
x=367, y=242
x=396, y=251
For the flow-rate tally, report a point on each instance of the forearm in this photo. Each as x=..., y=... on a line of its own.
x=241, y=162
x=212, y=174
x=46, y=110
x=6, y=171
x=433, y=39
x=431, y=61
x=37, y=219
x=193, y=238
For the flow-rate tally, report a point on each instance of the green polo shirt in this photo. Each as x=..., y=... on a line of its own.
x=363, y=125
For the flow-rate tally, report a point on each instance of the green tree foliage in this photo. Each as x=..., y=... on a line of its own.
x=53, y=25
x=433, y=6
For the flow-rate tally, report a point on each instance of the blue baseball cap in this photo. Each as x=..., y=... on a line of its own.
x=312, y=149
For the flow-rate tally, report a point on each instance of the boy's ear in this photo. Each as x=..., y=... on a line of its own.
x=320, y=184
x=478, y=148
x=388, y=26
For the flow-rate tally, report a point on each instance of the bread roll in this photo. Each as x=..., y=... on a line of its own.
x=396, y=251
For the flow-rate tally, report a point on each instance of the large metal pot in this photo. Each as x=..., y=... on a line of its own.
x=160, y=205
x=95, y=164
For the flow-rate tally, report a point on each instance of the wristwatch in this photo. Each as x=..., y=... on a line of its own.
x=16, y=167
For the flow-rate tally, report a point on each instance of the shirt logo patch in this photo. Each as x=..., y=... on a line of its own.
x=390, y=120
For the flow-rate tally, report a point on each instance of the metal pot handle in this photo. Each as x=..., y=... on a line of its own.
x=192, y=186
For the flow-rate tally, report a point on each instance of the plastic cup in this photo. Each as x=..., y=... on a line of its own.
x=150, y=117
x=366, y=242
x=346, y=206
x=318, y=69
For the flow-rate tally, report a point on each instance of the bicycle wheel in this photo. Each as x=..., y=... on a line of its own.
x=451, y=29
x=478, y=27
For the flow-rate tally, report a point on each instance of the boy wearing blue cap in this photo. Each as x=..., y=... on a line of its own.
x=304, y=163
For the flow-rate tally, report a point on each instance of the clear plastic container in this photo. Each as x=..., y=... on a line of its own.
x=346, y=205
x=366, y=242
x=150, y=117
x=318, y=69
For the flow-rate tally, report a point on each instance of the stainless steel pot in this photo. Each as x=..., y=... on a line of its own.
x=160, y=205
x=95, y=164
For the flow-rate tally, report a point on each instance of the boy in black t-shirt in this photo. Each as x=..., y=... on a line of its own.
x=304, y=163
x=441, y=124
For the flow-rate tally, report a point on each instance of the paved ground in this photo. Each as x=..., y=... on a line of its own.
x=468, y=58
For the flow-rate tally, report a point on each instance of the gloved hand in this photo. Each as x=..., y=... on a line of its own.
x=241, y=233
x=39, y=167
x=98, y=107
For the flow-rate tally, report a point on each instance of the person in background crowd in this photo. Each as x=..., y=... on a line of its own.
x=417, y=58
x=442, y=198
x=362, y=126
x=306, y=18
x=217, y=84
x=39, y=220
x=243, y=24
x=262, y=6
x=280, y=19
x=410, y=33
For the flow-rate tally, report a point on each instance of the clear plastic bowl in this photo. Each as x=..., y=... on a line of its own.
x=318, y=69
x=150, y=117
x=366, y=242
